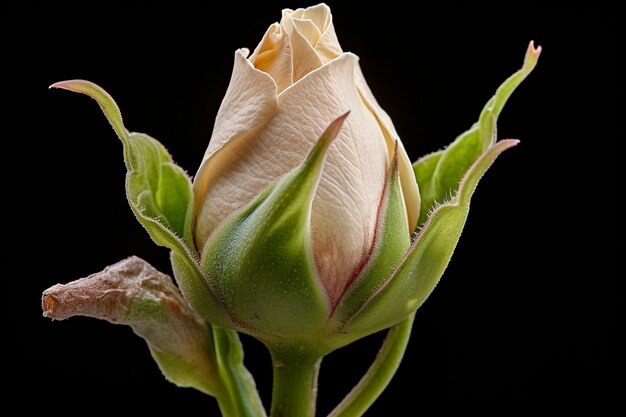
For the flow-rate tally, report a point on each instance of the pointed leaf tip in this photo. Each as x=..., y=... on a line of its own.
x=394, y=160
x=104, y=100
x=71, y=85
x=532, y=55
x=333, y=129
x=320, y=150
x=439, y=173
x=534, y=50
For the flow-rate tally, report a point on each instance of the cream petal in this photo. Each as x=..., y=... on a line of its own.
x=304, y=58
x=273, y=56
x=328, y=45
x=248, y=106
x=410, y=188
x=307, y=29
x=286, y=22
x=318, y=14
x=267, y=44
x=345, y=206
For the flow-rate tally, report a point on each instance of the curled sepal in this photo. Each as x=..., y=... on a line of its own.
x=134, y=293
x=439, y=173
x=264, y=259
x=160, y=196
x=158, y=190
x=417, y=274
x=391, y=241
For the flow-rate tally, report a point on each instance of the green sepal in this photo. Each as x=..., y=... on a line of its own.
x=181, y=372
x=391, y=241
x=263, y=257
x=158, y=190
x=199, y=290
x=439, y=173
x=239, y=396
x=403, y=291
x=216, y=367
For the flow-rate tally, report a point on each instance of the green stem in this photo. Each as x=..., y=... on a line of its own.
x=238, y=396
x=226, y=405
x=295, y=382
x=379, y=374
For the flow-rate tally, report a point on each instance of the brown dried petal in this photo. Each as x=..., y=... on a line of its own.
x=134, y=293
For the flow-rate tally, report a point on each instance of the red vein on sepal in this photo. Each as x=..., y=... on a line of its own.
x=503, y=145
x=361, y=268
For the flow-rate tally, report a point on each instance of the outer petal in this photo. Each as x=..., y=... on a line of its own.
x=250, y=103
x=344, y=210
x=410, y=188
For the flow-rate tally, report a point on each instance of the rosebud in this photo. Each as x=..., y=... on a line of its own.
x=280, y=99
x=298, y=240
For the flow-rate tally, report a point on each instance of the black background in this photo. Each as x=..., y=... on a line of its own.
x=526, y=313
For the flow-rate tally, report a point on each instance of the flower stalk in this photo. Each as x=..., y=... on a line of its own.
x=296, y=372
